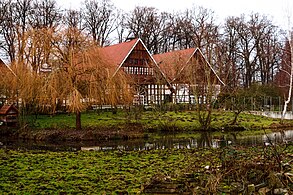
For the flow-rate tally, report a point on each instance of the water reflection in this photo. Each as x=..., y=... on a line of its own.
x=162, y=142
x=283, y=136
x=205, y=140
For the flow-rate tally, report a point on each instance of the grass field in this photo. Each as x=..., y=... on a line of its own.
x=153, y=120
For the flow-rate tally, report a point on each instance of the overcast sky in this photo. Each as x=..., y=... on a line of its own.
x=277, y=11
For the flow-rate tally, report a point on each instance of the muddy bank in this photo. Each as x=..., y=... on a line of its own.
x=124, y=132
x=121, y=132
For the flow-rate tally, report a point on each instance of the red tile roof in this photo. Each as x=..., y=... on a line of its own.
x=173, y=62
x=117, y=53
x=182, y=55
x=6, y=109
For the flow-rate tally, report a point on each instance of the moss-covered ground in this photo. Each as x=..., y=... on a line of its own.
x=201, y=171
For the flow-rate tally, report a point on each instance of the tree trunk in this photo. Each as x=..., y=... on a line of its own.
x=78, y=120
x=291, y=78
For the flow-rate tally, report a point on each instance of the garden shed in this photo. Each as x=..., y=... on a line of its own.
x=9, y=115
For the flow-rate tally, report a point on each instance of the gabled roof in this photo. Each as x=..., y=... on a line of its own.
x=173, y=56
x=119, y=52
x=174, y=62
x=8, y=109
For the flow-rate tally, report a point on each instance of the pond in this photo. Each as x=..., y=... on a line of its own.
x=157, y=142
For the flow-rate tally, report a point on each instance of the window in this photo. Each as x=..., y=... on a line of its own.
x=140, y=70
x=151, y=71
x=130, y=70
x=126, y=69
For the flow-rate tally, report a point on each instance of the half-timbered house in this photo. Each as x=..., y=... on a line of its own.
x=145, y=78
x=190, y=74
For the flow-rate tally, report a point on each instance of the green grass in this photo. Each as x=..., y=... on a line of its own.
x=156, y=120
x=88, y=119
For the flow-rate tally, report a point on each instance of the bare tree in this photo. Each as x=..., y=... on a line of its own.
x=46, y=14
x=169, y=33
x=7, y=29
x=100, y=18
x=253, y=50
x=203, y=85
x=122, y=31
x=227, y=55
x=205, y=31
x=73, y=19
x=267, y=47
x=148, y=24
x=22, y=13
x=20, y=16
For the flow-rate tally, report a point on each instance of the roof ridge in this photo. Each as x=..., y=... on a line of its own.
x=126, y=42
